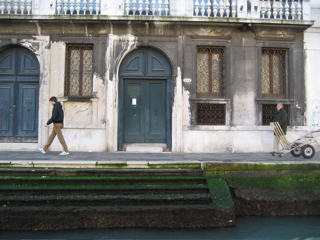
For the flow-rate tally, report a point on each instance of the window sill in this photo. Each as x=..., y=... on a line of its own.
x=274, y=101
x=74, y=99
x=210, y=100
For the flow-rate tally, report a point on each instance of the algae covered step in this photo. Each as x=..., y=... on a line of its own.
x=70, y=217
x=114, y=198
x=106, y=200
x=100, y=172
x=99, y=190
x=99, y=180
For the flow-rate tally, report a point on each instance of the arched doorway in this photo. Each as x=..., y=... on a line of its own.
x=19, y=95
x=145, y=89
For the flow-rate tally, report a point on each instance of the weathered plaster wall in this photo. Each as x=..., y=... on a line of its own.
x=93, y=125
x=223, y=139
x=84, y=127
x=312, y=66
x=243, y=82
x=118, y=48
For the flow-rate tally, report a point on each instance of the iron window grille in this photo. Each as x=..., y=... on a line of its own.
x=79, y=71
x=269, y=113
x=211, y=72
x=274, y=73
x=211, y=114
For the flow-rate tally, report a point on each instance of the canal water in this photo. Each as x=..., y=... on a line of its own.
x=247, y=228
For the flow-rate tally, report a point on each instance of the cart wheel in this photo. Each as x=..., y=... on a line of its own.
x=308, y=151
x=296, y=151
x=281, y=155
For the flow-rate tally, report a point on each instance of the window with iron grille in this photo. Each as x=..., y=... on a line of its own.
x=274, y=73
x=211, y=72
x=269, y=113
x=79, y=70
x=211, y=114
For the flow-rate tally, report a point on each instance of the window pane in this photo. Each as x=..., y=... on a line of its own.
x=211, y=114
x=87, y=73
x=274, y=73
x=202, y=72
x=74, y=72
x=79, y=69
x=210, y=72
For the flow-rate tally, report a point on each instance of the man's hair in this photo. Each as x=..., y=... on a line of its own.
x=53, y=99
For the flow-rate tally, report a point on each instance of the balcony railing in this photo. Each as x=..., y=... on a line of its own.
x=15, y=6
x=276, y=9
x=84, y=7
x=147, y=7
x=78, y=7
x=254, y=9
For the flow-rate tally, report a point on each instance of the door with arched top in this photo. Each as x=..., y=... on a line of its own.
x=19, y=95
x=145, y=98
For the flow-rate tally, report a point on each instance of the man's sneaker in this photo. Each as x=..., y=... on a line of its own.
x=64, y=153
x=41, y=150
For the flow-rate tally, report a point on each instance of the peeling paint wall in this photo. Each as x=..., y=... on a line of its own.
x=118, y=48
x=84, y=125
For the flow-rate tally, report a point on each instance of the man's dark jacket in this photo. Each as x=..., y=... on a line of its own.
x=281, y=118
x=57, y=114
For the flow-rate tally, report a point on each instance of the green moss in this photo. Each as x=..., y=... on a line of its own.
x=6, y=165
x=277, y=183
x=100, y=187
x=112, y=166
x=220, y=193
x=259, y=167
x=83, y=178
x=177, y=165
x=102, y=197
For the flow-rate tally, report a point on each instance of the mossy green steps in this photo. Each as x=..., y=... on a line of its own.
x=162, y=197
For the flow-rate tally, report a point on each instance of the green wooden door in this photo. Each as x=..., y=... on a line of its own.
x=145, y=111
x=145, y=98
x=19, y=95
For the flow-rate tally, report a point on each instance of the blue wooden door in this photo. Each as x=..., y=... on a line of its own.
x=145, y=111
x=19, y=94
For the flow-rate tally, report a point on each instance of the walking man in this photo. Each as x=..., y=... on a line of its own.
x=57, y=120
x=281, y=118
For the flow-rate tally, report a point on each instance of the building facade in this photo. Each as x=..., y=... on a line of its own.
x=187, y=76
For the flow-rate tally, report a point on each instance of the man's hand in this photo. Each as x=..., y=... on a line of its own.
x=46, y=125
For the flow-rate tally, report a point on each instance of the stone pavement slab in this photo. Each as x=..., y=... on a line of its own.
x=118, y=157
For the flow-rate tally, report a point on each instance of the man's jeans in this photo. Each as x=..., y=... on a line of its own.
x=56, y=131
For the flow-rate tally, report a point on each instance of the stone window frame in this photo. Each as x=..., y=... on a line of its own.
x=80, y=94
x=223, y=100
x=276, y=70
x=288, y=101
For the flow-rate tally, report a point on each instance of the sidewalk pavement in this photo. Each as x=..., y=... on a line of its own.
x=54, y=157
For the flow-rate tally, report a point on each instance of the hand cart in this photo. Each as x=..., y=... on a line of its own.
x=302, y=146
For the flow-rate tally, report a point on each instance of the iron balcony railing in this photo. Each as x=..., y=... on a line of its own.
x=256, y=9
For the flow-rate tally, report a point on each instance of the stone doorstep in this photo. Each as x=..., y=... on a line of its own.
x=145, y=147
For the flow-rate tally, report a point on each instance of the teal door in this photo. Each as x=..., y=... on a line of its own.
x=145, y=111
x=145, y=98
x=19, y=94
